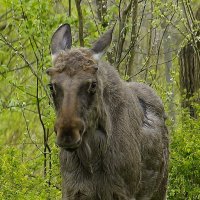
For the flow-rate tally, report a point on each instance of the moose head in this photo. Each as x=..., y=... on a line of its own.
x=74, y=86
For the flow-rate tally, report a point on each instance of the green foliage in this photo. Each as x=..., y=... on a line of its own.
x=184, y=162
x=25, y=57
x=28, y=169
x=19, y=179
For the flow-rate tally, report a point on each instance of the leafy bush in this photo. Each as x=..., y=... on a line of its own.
x=22, y=180
x=184, y=177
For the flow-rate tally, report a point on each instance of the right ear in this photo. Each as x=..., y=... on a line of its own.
x=102, y=44
x=61, y=40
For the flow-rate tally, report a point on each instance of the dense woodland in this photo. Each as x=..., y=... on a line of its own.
x=156, y=42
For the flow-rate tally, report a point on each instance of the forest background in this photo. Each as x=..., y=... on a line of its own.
x=155, y=41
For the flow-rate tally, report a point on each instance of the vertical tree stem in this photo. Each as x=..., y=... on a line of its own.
x=80, y=19
x=133, y=38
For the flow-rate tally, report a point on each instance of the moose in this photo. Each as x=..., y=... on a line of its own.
x=112, y=135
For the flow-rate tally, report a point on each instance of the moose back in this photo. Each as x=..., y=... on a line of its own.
x=112, y=135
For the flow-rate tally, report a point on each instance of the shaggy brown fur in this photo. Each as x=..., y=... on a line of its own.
x=114, y=142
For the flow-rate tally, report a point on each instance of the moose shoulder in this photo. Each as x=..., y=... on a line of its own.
x=112, y=135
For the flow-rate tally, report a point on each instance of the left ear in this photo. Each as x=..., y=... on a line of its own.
x=61, y=40
x=102, y=44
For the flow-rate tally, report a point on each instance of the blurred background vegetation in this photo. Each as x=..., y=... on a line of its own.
x=155, y=41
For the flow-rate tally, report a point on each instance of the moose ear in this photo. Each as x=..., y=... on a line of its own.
x=61, y=39
x=102, y=44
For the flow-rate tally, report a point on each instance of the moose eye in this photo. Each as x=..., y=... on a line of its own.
x=92, y=87
x=51, y=87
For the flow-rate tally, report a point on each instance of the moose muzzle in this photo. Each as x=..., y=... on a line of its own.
x=69, y=135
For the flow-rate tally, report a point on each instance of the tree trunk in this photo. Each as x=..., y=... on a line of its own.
x=102, y=11
x=80, y=20
x=133, y=40
x=189, y=77
x=190, y=73
x=167, y=48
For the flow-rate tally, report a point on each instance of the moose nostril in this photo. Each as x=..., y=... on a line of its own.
x=55, y=130
x=68, y=138
x=64, y=139
x=80, y=126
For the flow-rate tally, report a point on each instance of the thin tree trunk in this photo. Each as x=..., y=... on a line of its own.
x=167, y=44
x=102, y=11
x=122, y=32
x=70, y=8
x=168, y=65
x=133, y=40
x=80, y=19
x=149, y=45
